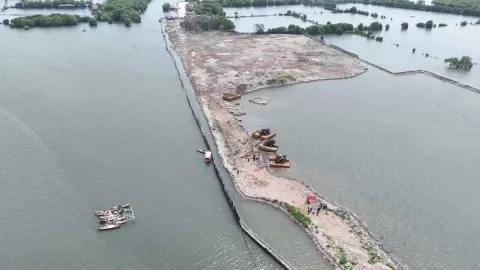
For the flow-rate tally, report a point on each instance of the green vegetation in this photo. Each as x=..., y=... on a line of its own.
x=463, y=23
x=461, y=4
x=51, y=4
x=127, y=22
x=343, y=214
x=316, y=29
x=463, y=63
x=305, y=220
x=207, y=23
x=26, y=27
x=257, y=3
x=212, y=18
x=373, y=257
x=463, y=7
x=217, y=126
x=103, y=17
x=404, y=26
x=119, y=10
x=352, y=10
x=375, y=26
x=52, y=20
x=442, y=25
x=379, y=39
x=429, y=24
x=387, y=27
x=390, y=266
x=208, y=8
x=343, y=256
x=92, y=22
x=281, y=80
x=166, y=7
x=6, y=22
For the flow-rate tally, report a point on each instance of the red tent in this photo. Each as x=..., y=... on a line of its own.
x=311, y=198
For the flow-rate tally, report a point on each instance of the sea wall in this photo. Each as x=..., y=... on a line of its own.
x=220, y=170
x=408, y=72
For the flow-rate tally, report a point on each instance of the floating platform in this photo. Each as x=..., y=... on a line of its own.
x=260, y=100
x=279, y=165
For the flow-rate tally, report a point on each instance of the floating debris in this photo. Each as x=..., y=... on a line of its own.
x=260, y=100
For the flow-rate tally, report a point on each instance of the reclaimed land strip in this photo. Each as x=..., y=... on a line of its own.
x=211, y=144
x=219, y=62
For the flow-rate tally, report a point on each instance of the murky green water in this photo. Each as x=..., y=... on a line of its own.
x=97, y=118
x=401, y=152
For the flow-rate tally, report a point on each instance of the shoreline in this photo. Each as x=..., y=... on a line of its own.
x=339, y=235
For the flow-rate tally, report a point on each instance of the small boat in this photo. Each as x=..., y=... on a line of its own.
x=279, y=165
x=263, y=133
x=120, y=222
x=126, y=205
x=109, y=226
x=272, y=157
x=201, y=151
x=265, y=148
x=208, y=157
x=103, y=213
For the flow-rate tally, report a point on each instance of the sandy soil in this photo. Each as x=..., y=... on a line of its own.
x=219, y=62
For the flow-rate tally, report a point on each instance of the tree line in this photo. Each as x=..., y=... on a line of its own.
x=453, y=7
x=352, y=10
x=51, y=4
x=126, y=11
x=52, y=20
x=210, y=17
x=442, y=6
x=328, y=28
x=257, y=3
